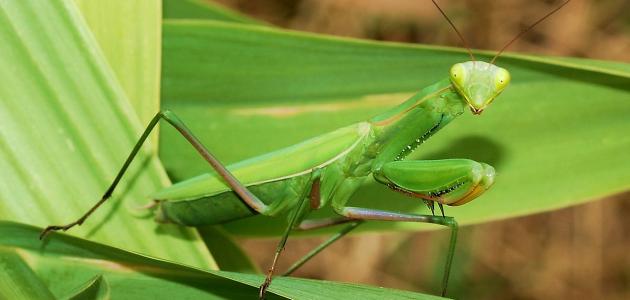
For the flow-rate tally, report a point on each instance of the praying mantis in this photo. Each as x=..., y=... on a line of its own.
x=327, y=170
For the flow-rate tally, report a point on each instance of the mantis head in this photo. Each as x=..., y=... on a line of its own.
x=479, y=83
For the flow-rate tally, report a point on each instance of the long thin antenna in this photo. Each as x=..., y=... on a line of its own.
x=459, y=34
x=527, y=29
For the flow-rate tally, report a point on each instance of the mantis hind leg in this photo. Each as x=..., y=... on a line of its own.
x=358, y=213
x=250, y=199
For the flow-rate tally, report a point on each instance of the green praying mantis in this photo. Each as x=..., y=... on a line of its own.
x=329, y=169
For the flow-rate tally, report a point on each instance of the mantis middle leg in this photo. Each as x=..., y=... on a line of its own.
x=352, y=225
x=245, y=194
x=381, y=215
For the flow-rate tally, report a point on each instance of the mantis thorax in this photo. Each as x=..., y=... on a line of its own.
x=479, y=83
x=399, y=131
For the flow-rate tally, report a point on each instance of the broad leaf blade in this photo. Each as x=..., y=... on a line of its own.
x=17, y=279
x=66, y=263
x=130, y=35
x=557, y=135
x=95, y=288
x=300, y=288
x=67, y=128
x=201, y=9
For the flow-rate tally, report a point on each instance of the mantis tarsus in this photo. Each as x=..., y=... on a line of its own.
x=328, y=169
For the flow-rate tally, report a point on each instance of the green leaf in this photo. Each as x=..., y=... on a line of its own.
x=200, y=9
x=130, y=35
x=226, y=252
x=66, y=263
x=557, y=136
x=95, y=288
x=299, y=288
x=18, y=281
x=66, y=129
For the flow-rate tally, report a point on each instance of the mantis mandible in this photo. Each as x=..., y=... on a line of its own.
x=329, y=169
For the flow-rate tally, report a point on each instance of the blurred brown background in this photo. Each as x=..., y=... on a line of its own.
x=576, y=253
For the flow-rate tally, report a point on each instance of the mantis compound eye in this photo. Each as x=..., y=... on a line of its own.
x=458, y=73
x=501, y=79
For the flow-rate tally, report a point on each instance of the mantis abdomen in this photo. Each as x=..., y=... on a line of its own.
x=281, y=195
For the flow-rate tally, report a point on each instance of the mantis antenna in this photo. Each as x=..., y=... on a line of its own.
x=457, y=31
x=526, y=30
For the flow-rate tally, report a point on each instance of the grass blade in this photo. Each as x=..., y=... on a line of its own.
x=17, y=279
x=66, y=263
x=199, y=9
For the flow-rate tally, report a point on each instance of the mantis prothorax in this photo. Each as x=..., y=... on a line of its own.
x=328, y=169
